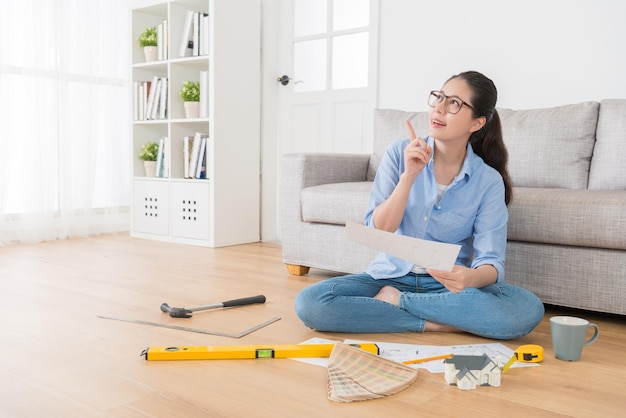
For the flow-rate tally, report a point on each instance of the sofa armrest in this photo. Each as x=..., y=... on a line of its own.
x=302, y=170
x=313, y=244
x=313, y=169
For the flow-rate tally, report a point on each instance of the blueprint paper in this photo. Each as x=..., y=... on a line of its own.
x=423, y=253
x=498, y=352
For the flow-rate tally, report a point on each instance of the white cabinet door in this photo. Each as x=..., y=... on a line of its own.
x=190, y=209
x=150, y=208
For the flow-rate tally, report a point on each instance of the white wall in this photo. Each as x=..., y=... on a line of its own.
x=538, y=53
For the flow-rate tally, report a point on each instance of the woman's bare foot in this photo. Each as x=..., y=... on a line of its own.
x=389, y=294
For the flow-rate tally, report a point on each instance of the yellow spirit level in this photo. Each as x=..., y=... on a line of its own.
x=223, y=352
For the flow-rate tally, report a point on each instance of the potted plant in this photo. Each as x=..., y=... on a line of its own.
x=148, y=41
x=190, y=93
x=148, y=155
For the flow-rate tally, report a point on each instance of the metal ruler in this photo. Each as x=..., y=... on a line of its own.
x=201, y=331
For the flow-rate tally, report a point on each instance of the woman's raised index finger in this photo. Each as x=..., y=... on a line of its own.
x=411, y=130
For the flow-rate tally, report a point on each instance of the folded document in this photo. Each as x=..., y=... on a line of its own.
x=421, y=252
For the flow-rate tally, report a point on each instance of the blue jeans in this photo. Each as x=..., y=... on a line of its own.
x=346, y=304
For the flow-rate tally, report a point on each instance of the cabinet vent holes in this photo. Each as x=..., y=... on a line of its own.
x=189, y=210
x=150, y=207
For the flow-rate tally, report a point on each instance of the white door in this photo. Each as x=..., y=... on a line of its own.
x=326, y=91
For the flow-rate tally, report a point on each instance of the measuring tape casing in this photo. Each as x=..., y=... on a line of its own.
x=529, y=353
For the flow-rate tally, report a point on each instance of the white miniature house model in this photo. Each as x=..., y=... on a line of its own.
x=466, y=372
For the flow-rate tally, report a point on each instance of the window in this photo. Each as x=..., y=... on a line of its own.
x=331, y=49
x=64, y=151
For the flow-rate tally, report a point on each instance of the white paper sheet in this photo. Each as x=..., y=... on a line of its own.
x=423, y=253
x=404, y=352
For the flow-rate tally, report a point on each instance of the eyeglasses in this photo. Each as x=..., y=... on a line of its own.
x=453, y=104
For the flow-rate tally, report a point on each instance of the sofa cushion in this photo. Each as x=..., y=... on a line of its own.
x=582, y=218
x=335, y=203
x=608, y=170
x=389, y=125
x=550, y=147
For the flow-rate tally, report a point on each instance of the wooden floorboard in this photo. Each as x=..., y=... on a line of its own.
x=58, y=358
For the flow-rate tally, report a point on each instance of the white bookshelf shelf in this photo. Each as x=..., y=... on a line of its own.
x=223, y=208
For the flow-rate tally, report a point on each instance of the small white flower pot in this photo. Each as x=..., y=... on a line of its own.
x=150, y=167
x=192, y=109
x=151, y=53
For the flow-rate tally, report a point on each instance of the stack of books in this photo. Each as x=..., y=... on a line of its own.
x=196, y=155
x=195, y=36
x=150, y=99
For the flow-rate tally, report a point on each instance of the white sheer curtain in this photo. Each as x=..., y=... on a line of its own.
x=64, y=118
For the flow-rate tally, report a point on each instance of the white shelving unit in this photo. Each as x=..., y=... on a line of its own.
x=224, y=208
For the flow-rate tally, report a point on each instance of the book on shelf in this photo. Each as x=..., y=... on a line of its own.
x=159, y=161
x=135, y=100
x=193, y=158
x=140, y=94
x=145, y=92
x=162, y=39
x=155, y=86
x=166, y=157
x=186, y=39
x=160, y=42
x=187, y=145
x=139, y=103
x=204, y=34
x=195, y=34
x=200, y=169
x=162, y=162
x=163, y=99
x=207, y=158
x=204, y=159
x=166, y=39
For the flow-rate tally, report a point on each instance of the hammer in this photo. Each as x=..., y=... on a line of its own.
x=186, y=312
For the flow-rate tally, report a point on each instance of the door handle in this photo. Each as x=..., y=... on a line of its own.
x=285, y=79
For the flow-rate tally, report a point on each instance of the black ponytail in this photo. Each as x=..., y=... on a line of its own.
x=489, y=145
x=488, y=142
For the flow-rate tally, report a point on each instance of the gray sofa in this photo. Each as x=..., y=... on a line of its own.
x=567, y=220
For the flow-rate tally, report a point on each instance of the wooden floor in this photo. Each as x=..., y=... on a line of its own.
x=59, y=359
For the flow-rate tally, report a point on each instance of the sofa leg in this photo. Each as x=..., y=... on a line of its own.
x=297, y=270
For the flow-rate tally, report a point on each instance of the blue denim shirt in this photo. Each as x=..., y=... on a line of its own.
x=471, y=212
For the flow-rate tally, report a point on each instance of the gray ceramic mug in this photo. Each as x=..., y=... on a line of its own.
x=569, y=336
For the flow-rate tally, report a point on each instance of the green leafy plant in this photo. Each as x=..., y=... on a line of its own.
x=190, y=92
x=149, y=151
x=148, y=37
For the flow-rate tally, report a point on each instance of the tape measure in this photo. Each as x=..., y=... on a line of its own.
x=529, y=353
